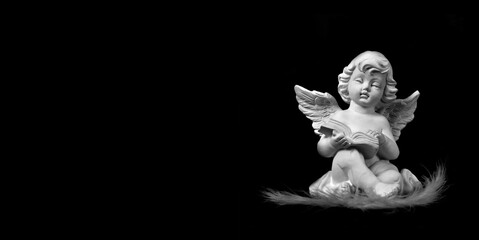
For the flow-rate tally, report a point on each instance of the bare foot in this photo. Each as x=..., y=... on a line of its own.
x=410, y=182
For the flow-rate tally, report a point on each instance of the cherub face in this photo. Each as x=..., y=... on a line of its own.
x=366, y=89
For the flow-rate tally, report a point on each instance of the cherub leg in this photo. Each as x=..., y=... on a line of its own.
x=352, y=164
x=349, y=164
x=386, y=172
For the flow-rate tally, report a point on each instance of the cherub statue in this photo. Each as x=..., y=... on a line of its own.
x=361, y=139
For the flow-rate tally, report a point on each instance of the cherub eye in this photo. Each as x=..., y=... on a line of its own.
x=359, y=80
x=376, y=84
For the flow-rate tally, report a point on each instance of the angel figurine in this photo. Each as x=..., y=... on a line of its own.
x=362, y=141
x=362, y=138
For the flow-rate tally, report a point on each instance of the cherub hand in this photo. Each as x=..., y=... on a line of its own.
x=379, y=135
x=339, y=140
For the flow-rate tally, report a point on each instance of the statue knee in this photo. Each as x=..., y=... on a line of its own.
x=349, y=155
x=348, y=158
x=355, y=154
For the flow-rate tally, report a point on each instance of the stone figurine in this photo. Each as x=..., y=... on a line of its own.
x=361, y=140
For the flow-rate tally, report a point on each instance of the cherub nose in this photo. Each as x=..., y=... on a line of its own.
x=365, y=87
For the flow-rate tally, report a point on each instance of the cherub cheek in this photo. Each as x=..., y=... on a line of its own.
x=377, y=91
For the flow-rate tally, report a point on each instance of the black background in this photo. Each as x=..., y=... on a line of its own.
x=429, y=53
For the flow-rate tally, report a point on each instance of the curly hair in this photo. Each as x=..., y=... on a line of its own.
x=364, y=61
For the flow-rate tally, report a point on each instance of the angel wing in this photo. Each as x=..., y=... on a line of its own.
x=317, y=106
x=400, y=112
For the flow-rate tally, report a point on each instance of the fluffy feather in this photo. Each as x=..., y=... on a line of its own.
x=434, y=186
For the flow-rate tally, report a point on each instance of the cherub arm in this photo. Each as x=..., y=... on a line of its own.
x=388, y=148
x=328, y=145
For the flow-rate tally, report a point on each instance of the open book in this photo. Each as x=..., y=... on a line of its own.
x=366, y=144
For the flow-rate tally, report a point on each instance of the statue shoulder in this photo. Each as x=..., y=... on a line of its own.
x=381, y=120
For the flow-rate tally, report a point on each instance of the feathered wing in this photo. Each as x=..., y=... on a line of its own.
x=400, y=112
x=317, y=106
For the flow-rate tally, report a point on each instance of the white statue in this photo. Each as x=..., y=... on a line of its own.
x=362, y=138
